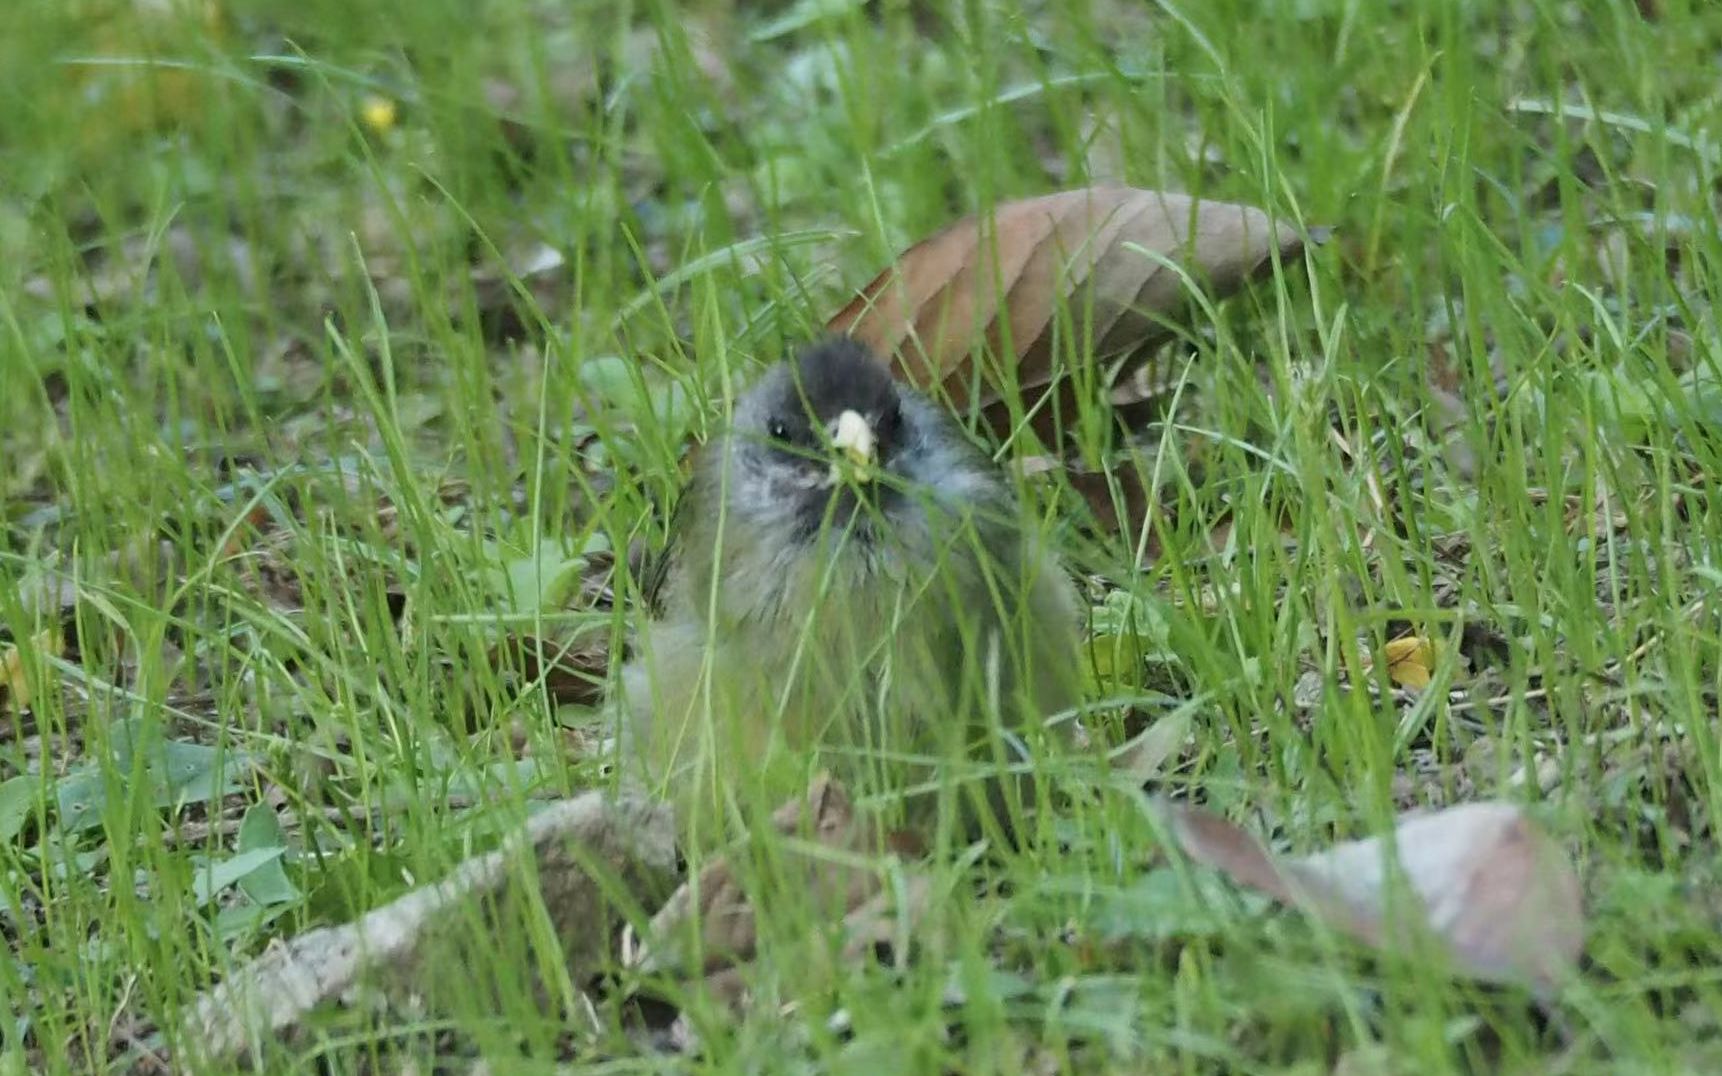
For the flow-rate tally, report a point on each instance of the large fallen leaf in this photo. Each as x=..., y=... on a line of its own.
x=1103, y=254
x=1493, y=886
x=430, y=943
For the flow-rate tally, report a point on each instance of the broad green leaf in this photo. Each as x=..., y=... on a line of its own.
x=656, y=403
x=545, y=583
x=260, y=830
x=240, y=920
x=212, y=879
x=1123, y=613
x=17, y=801
x=175, y=773
x=1116, y=661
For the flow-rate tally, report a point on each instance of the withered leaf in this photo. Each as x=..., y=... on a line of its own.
x=1101, y=253
x=1095, y=488
x=1145, y=756
x=571, y=670
x=1494, y=887
x=884, y=918
x=717, y=903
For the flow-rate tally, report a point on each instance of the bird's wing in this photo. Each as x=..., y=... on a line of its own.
x=656, y=573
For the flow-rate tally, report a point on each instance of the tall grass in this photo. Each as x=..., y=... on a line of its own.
x=250, y=340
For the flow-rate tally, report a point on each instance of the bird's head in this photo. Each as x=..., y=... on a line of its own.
x=829, y=439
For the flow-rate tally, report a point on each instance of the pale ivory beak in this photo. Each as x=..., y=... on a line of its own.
x=854, y=438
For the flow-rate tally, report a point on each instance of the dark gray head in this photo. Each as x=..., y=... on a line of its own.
x=830, y=431
x=797, y=405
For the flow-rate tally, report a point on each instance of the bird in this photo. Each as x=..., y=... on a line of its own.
x=847, y=577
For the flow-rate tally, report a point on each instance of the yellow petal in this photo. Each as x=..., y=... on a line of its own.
x=1411, y=660
x=14, y=685
x=379, y=114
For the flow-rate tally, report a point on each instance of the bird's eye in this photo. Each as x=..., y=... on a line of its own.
x=777, y=430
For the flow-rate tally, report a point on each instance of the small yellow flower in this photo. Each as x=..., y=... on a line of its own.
x=379, y=114
x=1411, y=660
x=14, y=685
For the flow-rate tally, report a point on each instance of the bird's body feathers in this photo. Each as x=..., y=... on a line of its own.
x=910, y=619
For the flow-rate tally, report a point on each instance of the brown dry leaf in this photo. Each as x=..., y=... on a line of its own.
x=715, y=906
x=14, y=682
x=572, y=670
x=1100, y=250
x=1494, y=887
x=1411, y=660
x=561, y=865
x=1095, y=489
x=1144, y=757
x=885, y=918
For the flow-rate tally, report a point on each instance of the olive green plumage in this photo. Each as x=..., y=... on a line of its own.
x=869, y=585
